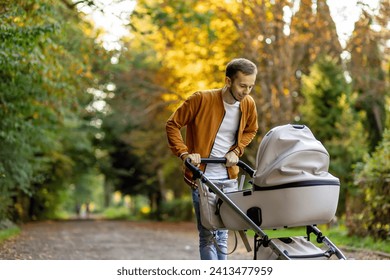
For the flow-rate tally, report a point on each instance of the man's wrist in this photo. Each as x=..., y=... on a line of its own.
x=183, y=156
x=236, y=151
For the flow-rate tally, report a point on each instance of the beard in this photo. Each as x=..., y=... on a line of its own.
x=231, y=92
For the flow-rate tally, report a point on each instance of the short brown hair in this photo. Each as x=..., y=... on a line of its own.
x=243, y=65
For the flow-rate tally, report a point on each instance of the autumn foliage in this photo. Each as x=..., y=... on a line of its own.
x=76, y=117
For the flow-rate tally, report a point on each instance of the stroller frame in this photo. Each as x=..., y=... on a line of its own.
x=261, y=238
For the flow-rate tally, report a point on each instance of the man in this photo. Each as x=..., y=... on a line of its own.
x=219, y=123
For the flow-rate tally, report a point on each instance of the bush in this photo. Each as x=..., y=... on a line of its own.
x=178, y=210
x=117, y=213
x=373, y=217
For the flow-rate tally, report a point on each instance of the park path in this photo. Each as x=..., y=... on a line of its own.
x=95, y=239
x=105, y=240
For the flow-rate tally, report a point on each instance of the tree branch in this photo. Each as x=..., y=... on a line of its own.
x=73, y=5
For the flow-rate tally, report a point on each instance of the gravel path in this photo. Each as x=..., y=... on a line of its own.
x=118, y=240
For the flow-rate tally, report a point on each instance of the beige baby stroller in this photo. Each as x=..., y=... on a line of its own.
x=291, y=187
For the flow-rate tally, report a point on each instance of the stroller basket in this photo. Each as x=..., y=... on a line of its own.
x=286, y=192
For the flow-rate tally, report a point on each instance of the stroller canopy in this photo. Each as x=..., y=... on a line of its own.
x=291, y=154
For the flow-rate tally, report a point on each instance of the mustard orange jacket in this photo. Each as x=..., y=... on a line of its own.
x=202, y=113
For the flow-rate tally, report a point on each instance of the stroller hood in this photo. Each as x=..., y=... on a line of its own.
x=291, y=154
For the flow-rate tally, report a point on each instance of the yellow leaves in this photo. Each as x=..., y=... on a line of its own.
x=19, y=21
x=168, y=97
x=88, y=75
x=117, y=197
x=247, y=11
x=202, y=8
x=82, y=70
x=193, y=56
x=145, y=210
x=169, y=9
x=79, y=71
x=18, y=207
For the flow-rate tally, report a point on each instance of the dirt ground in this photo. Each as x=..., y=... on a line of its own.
x=120, y=240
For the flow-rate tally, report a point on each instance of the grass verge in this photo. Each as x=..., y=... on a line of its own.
x=8, y=233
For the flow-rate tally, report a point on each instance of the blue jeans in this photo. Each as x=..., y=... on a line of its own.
x=207, y=248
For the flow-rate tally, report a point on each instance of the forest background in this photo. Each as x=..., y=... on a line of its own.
x=83, y=125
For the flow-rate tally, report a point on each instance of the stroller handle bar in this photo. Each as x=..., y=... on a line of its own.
x=198, y=173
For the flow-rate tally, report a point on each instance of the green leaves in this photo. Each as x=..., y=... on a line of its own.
x=373, y=180
x=44, y=77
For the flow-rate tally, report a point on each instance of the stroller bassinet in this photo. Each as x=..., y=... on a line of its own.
x=291, y=188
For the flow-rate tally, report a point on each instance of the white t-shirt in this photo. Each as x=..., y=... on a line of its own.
x=225, y=139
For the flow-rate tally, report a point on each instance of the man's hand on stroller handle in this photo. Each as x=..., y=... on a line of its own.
x=194, y=158
x=231, y=159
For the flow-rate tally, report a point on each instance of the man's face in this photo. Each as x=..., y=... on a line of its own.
x=241, y=86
